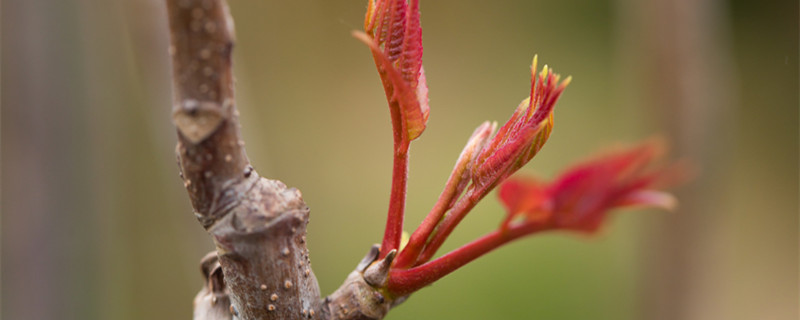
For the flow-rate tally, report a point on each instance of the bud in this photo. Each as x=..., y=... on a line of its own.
x=394, y=35
x=462, y=172
x=522, y=136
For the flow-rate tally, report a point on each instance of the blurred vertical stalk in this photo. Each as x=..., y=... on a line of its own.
x=680, y=50
x=47, y=239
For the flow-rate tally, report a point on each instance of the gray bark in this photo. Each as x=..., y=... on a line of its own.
x=261, y=268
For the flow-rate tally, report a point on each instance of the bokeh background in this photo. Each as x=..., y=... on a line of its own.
x=96, y=225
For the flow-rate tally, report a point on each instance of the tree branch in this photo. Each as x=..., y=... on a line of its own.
x=258, y=225
x=261, y=268
x=210, y=152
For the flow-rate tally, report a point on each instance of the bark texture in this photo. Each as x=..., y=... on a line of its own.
x=261, y=268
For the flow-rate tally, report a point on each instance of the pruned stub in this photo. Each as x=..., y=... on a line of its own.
x=262, y=248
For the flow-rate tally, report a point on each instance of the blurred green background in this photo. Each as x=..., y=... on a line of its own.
x=96, y=224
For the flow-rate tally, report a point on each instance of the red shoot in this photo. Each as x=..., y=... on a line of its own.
x=578, y=200
x=394, y=36
x=459, y=178
x=515, y=143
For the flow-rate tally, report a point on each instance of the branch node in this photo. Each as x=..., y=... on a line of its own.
x=377, y=273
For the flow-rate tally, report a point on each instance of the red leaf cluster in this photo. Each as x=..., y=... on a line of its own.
x=577, y=200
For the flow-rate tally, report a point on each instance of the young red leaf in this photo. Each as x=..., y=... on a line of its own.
x=526, y=197
x=394, y=35
x=581, y=198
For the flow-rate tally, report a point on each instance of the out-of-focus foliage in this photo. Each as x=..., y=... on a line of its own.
x=95, y=224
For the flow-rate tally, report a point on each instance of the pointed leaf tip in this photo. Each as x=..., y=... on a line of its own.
x=566, y=81
x=395, y=39
x=524, y=134
x=650, y=199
